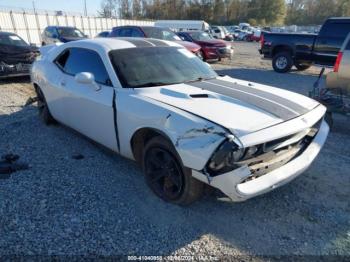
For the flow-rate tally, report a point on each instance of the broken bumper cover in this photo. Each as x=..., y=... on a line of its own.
x=231, y=183
x=19, y=69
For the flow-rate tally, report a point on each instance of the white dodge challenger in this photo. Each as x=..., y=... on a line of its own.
x=156, y=103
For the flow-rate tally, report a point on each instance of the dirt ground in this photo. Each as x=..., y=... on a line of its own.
x=100, y=205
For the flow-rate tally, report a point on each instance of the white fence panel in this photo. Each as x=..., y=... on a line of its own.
x=5, y=22
x=70, y=20
x=78, y=22
x=30, y=26
x=104, y=24
x=61, y=20
x=42, y=19
x=51, y=19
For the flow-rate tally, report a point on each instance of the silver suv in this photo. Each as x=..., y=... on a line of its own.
x=340, y=77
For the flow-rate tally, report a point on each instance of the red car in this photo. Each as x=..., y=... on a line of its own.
x=154, y=32
x=211, y=48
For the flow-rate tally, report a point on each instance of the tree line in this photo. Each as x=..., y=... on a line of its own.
x=228, y=12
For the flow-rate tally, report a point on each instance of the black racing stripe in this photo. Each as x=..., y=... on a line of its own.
x=138, y=42
x=268, y=106
x=157, y=42
x=268, y=95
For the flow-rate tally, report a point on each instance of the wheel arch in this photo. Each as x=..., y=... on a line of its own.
x=140, y=138
x=282, y=48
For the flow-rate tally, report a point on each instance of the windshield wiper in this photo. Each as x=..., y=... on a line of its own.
x=150, y=84
x=199, y=79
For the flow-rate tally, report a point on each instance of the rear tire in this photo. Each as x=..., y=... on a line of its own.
x=282, y=62
x=166, y=176
x=43, y=108
x=302, y=66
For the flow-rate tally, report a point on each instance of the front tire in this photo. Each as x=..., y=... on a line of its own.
x=43, y=108
x=282, y=62
x=166, y=176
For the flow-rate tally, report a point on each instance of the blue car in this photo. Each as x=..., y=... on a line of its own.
x=63, y=34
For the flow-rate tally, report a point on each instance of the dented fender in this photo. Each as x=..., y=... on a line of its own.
x=194, y=138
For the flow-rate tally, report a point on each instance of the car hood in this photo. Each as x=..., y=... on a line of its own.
x=236, y=105
x=11, y=54
x=70, y=39
x=213, y=42
x=188, y=45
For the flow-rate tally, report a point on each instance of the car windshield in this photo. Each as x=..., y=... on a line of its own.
x=70, y=32
x=201, y=36
x=157, y=66
x=161, y=33
x=13, y=40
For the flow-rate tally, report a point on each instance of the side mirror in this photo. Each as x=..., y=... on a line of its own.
x=33, y=45
x=54, y=36
x=85, y=78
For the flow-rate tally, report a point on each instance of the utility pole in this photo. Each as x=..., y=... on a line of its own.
x=33, y=2
x=85, y=8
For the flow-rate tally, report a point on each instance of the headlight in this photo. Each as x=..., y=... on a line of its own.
x=224, y=158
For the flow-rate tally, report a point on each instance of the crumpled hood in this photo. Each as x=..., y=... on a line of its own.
x=237, y=105
x=189, y=46
x=12, y=54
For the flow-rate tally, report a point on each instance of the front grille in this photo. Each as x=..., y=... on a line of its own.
x=276, y=153
x=224, y=50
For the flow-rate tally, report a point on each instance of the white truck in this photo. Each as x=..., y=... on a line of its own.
x=183, y=25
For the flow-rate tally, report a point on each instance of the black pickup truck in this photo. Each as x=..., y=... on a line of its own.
x=302, y=50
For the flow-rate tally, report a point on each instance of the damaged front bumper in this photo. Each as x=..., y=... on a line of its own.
x=235, y=185
x=19, y=69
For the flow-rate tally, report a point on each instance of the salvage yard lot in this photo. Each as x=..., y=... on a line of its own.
x=100, y=204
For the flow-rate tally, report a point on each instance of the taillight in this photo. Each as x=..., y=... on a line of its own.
x=338, y=61
x=262, y=39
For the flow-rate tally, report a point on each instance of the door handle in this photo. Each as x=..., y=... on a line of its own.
x=63, y=83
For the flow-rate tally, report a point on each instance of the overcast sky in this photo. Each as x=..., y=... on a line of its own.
x=54, y=5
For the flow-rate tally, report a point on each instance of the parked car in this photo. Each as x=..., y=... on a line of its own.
x=243, y=35
x=255, y=36
x=217, y=32
x=61, y=34
x=155, y=102
x=336, y=94
x=16, y=55
x=103, y=34
x=156, y=33
x=211, y=48
x=183, y=25
x=302, y=50
x=340, y=77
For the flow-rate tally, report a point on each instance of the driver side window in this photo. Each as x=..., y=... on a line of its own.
x=70, y=61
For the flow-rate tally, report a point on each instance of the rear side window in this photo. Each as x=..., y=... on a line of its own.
x=336, y=29
x=135, y=32
x=186, y=37
x=71, y=62
x=124, y=32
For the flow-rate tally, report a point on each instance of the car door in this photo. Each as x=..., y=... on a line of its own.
x=88, y=107
x=329, y=41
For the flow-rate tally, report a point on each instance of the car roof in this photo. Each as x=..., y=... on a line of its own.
x=339, y=19
x=6, y=33
x=121, y=43
x=58, y=26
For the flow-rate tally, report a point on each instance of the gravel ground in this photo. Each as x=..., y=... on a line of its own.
x=100, y=205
